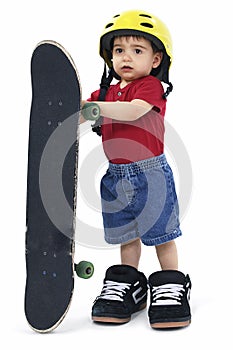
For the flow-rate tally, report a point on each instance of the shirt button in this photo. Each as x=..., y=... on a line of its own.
x=119, y=93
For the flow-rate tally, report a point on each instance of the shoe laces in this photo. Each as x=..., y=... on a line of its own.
x=167, y=294
x=113, y=290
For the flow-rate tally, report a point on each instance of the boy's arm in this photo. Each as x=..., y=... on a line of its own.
x=124, y=111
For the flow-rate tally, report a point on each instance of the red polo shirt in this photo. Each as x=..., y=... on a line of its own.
x=126, y=142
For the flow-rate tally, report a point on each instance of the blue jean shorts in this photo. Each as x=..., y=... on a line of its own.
x=139, y=201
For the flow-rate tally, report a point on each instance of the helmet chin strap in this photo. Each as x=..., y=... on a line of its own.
x=104, y=85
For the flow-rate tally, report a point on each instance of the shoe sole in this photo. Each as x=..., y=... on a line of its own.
x=106, y=319
x=160, y=325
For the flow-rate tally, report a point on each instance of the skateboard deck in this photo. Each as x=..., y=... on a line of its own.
x=51, y=186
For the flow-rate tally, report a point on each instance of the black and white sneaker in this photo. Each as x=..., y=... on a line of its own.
x=124, y=293
x=170, y=292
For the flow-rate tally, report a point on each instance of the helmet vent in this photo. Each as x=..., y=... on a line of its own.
x=116, y=16
x=144, y=15
x=109, y=25
x=148, y=25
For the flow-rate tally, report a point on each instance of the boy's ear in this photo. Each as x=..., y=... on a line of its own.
x=157, y=59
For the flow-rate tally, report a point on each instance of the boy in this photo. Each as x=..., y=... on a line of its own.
x=138, y=195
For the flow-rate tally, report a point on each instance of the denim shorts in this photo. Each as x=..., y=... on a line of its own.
x=139, y=201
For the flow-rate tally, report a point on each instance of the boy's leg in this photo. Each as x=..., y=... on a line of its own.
x=130, y=253
x=167, y=255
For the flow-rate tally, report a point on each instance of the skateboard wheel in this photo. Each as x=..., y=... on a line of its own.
x=91, y=111
x=84, y=269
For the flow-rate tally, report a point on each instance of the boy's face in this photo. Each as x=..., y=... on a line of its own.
x=133, y=58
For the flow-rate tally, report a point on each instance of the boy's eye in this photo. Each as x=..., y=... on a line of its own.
x=118, y=50
x=138, y=51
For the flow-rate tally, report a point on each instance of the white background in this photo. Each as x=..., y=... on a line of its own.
x=200, y=110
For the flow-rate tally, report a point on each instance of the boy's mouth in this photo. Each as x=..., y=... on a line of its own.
x=126, y=68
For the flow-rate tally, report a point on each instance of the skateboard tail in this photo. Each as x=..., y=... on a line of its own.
x=45, y=311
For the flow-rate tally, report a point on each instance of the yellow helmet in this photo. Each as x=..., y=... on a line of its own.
x=138, y=22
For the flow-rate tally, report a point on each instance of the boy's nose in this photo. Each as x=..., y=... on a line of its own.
x=126, y=57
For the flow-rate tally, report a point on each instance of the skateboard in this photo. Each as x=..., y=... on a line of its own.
x=52, y=186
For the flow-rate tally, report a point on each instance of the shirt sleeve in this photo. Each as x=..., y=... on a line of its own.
x=94, y=96
x=151, y=91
